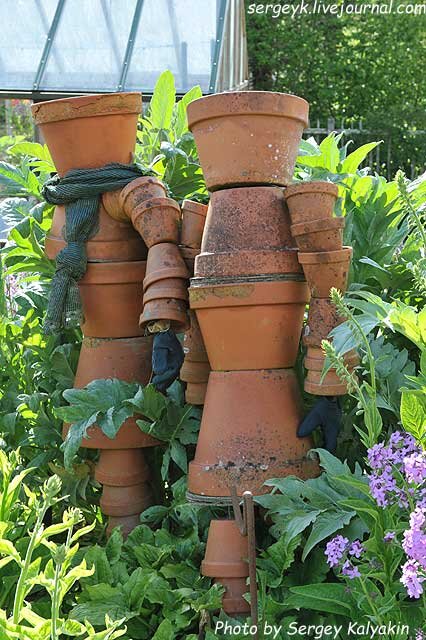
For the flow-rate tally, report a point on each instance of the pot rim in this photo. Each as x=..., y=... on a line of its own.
x=137, y=182
x=168, y=294
x=219, y=105
x=316, y=226
x=188, y=253
x=318, y=186
x=326, y=257
x=87, y=106
x=114, y=272
x=151, y=203
x=244, y=294
x=224, y=569
x=166, y=273
x=325, y=389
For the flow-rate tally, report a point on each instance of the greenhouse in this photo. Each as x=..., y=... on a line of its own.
x=212, y=322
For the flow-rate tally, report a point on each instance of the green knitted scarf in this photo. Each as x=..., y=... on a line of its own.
x=79, y=190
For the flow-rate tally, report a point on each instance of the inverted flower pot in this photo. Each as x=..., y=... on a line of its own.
x=139, y=191
x=317, y=389
x=157, y=220
x=247, y=137
x=89, y=131
x=315, y=359
x=323, y=317
x=248, y=218
x=309, y=201
x=195, y=393
x=193, y=221
x=252, y=324
x=319, y=235
x=114, y=241
x=127, y=359
x=248, y=433
x=326, y=269
x=195, y=371
x=164, y=261
x=111, y=295
x=165, y=310
x=252, y=262
x=193, y=343
x=188, y=254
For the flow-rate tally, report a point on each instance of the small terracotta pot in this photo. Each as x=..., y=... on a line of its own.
x=247, y=263
x=325, y=390
x=194, y=372
x=116, y=501
x=122, y=467
x=89, y=131
x=168, y=288
x=189, y=256
x=226, y=551
x=111, y=295
x=319, y=235
x=127, y=359
x=193, y=343
x=330, y=378
x=157, y=221
x=195, y=393
x=316, y=362
x=164, y=262
x=326, y=269
x=233, y=602
x=322, y=318
x=247, y=137
x=248, y=433
x=193, y=221
x=114, y=241
x=251, y=324
x=139, y=191
x=166, y=309
x=311, y=201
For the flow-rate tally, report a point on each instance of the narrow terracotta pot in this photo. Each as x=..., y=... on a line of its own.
x=249, y=435
x=195, y=371
x=193, y=343
x=122, y=467
x=247, y=263
x=330, y=378
x=117, y=502
x=139, y=191
x=89, y=131
x=157, y=220
x=166, y=309
x=322, y=318
x=111, y=295
x=311, y=201
x=127, y=359
x=164, y=262
x=319, y=235
x=233, y=602
x=193, y=221
x=195, y=392
x=247, y=137
x=114, y=241
x=326, y=269
x=251, y=324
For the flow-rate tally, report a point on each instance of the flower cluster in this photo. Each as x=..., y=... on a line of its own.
x=340, y=551
x=414, y=545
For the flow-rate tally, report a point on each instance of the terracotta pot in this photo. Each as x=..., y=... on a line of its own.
x=330, y=378
x=316, y=362
x=139, y=191
x=116, y=501
x=311, y=200
x=194, y=371
x=164, y=261
x=89, y=131
x=326, y=269
x=233, y=602
x=113, y=242
x=169, y=288
x=322, y=318
x=319, y=235
x=127, y=359
x=111, y=295
x=157, y=220
x=247, y=263
x=122, y=467
x=248, y=433
x=251, y=324
x=325, y=390
x=226, y=551
x=193, y=343
x=126, y=523
x=195, y=393
x=247, y=137
x=189, y=256
x=193, y=221
x=166, y=309
x=247, y=218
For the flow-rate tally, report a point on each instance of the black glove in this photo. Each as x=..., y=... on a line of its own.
x=327, y=414
x=167, y=359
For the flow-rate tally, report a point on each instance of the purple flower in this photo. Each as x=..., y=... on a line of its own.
x=350, y=571
x=414, y=543
x=356, y=549
x=389, y=536
x=335, y=550
x=411, y=579
x=415, y=467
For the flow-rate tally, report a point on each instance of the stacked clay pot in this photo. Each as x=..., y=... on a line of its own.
x=249, y=295
x=325, y=263
x=196, y=368
x=89, y=132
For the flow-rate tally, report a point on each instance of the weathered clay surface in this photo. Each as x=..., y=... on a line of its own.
x=311, y=200
x=193, y=221
x=326, y=269
x=157, y=220
x=322, y=318
x=319, y=235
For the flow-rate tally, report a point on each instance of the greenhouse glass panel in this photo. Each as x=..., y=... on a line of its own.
x=22, y=42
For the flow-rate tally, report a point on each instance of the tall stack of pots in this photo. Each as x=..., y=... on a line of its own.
x=249, y=296
x=325, y=263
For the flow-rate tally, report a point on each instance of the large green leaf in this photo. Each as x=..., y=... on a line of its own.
x=328, y=598
x=354, y=159
x=163, y=101
x=324, y=526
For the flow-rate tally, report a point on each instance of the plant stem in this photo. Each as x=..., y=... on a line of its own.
x=56, y=602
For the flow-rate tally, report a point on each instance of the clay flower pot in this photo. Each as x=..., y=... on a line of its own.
x=322, y=318
x=193, y=343
x=195, y=371
x=169, y=310
x=167, y=288
x=111, y=296
x=127, y=359
x=226, y=561
x=193, y=221
x=164, y=261
x=252, y=324
x=157, y=220
x=326, y=269
x=188, y=254
x=309, y=201
x=195, y=393
x=89, y=131
x=319, y=235
x=255, y=262
x=248, y=433
x=247, y=137
x=315, y=359
x=114, y=241
x=139, y=191
x=317, y=389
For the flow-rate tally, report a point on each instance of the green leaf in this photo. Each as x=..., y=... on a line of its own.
x=163, y=101
x=354, y=159
x=324, y=526
x=413, y=415
x=164, y=632
x=181, y=122
x=328, y=598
